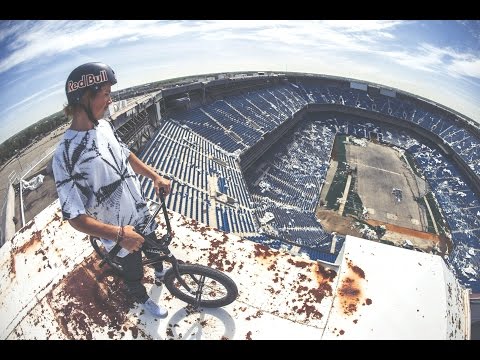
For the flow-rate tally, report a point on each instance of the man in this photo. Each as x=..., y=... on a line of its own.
x=94, y=171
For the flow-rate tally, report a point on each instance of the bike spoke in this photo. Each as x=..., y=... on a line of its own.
x=199, y=285
x=198, y=295
x=202, y=287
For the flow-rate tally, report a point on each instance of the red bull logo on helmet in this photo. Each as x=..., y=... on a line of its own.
x=87, y=80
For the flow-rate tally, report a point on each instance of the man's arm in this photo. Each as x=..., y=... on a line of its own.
x=143, y=169
x=132, y=241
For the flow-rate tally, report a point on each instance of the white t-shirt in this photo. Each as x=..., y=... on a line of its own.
x=93, y=177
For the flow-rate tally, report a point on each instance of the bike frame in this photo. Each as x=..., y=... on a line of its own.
x=174, y=277
x=161, y=245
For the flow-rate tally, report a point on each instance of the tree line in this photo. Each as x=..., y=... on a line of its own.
x=9, y=148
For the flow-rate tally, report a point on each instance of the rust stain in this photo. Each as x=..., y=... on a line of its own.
x=91, y=302
x=35, y=239
x=350, y=293
x=406, y=231
x=218, y=255
x=263, y=251
x=308, y=297
x=27, y=227
x=170, y=331
x=358, y=271
x=349, y=296
x=271, y=290
x=308, y=310
x=231, y=265
x=320, y=292
x=300, y=264
x=276, y=279
x=189, y=309
x=11, y=266
x=323, y=274
x=56, y=217
x=266, y=256
x=248, y=336
x=258, y=314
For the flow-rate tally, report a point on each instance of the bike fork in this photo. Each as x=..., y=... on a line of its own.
x=174, y=262
x=198, y=295
x=200, y=283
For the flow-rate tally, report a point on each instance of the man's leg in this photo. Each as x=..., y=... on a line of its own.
x=133, y=275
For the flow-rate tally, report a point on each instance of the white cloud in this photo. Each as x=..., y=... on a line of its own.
x=45, y=38
x=464, y=65
x=362, y=25
x=366, y=50
x=344, y=35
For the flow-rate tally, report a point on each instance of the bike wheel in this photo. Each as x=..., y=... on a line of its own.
x=212, y=287
x=103, y=254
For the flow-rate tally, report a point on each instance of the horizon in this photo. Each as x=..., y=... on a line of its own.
x=415, y=56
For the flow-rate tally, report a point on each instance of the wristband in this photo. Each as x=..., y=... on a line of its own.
x=120, y=234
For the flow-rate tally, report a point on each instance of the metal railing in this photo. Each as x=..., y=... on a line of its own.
x=29, y=168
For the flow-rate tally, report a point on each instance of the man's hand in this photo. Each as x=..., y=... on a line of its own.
x=148, y=171
x=132, y=241
x=160, y=182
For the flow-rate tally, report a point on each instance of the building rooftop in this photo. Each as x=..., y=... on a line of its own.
x=51, y=288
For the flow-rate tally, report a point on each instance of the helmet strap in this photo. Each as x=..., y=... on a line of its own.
x=89, y=113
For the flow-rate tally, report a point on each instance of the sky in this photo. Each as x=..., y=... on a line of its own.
x=435, y=59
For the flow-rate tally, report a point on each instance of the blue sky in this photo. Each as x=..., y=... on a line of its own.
x=439, y=60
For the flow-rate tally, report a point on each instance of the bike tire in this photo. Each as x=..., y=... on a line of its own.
x=216, y=283
x=103, y=254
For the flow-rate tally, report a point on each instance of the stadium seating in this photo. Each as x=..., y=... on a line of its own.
x=199, y=149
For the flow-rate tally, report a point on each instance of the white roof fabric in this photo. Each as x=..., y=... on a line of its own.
x=51, y=288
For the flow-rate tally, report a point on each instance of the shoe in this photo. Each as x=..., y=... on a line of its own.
x=154, y=309
x=159, y=275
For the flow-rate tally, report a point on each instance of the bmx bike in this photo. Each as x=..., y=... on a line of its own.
x=195, y=284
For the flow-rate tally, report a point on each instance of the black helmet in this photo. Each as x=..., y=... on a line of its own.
x=90, y=75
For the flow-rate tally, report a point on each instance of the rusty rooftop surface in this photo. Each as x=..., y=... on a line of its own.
x=51, y=288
